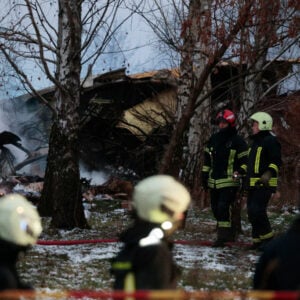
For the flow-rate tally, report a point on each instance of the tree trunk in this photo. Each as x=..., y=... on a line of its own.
x=193, y=100
x=61, y=197
x=264, y=37
x=199, y=129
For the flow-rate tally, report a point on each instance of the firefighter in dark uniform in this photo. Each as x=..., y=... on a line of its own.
x=278, y=267
x=225, y=157
x=20, y=227
x=146, y=262
x=264, y=160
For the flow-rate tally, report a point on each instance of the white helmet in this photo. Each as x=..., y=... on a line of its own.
x=155, y=192
x=264, y=120
x=19, y=220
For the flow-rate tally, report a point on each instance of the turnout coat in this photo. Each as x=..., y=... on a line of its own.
x=225, y=153
x=264, y=155
x=279, y=266
x=145, y=261
x=9, y=278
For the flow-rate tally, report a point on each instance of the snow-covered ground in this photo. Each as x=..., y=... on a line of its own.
x=86, y=266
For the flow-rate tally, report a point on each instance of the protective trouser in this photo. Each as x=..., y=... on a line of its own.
x=257, y=203
x=221, y=201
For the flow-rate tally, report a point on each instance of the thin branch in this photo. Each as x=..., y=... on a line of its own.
x=26, y=80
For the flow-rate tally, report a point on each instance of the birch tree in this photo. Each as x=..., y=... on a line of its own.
x=194, y=58
x=211, y=32
x=56, y=36
x=270, y=34
x=202, y=45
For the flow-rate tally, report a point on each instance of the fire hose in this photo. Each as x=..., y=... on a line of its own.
x=115, y=240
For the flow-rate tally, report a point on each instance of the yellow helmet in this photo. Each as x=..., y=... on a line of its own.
x=156, y=192
x=265, y=121
x=19, y=220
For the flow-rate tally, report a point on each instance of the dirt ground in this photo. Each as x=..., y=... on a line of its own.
x=86, y=266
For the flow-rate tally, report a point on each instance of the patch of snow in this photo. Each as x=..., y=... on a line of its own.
x=81, y=254
x=207, y=257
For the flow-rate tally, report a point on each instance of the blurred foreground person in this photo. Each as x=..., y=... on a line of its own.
x=263, y=166
x=146, y=261
x=20, y=227
x=225, y=159
x=279, y=265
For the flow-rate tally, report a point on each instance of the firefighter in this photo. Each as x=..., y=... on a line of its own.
x=146, y=261
x=20, y=227
x=264, y=160
x=225, y=158
x=278, y=267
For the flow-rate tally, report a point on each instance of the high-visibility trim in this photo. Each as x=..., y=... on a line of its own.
x=224, y=224
x=230, y=161
x=129, y=285
x=206, y=149
x=221, y=183
x=122, y=265
x=244, y=167
x=257, y=160
x=256, y=240
x=222, y=180
x=266, y=236
x=274, y=167
x=242, y=154
x=205, y=168
x=272, y=182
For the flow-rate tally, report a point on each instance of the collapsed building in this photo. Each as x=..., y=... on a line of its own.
x=126, y=120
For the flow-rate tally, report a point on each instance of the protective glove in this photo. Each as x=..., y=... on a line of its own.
x=264, y=179
x=236, y=176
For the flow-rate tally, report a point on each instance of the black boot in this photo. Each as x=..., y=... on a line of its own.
x=264, y=244
x=224, y=235
x=254, y=246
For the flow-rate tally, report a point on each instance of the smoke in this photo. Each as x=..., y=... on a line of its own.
x=96, y=177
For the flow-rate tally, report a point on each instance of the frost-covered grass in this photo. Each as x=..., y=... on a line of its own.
x=87, y=266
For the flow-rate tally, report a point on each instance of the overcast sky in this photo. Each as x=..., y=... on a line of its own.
x=133, y=47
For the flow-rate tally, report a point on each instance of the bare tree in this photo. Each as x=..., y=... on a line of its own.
x=269, y=35
x=211, y=32
x=213, y=58
x=194, y=58
x=201, y=44
x=59, y=40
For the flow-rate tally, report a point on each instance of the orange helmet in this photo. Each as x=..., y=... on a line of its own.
x=226, y=115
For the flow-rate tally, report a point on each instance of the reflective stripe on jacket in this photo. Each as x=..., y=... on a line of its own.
x=225, y=153
x=145, y=261
x=264, y=155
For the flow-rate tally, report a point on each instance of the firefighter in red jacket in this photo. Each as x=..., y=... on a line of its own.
x=224, y=157
x=264, y=160
x=145, y=262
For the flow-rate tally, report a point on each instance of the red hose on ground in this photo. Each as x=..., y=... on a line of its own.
x=74, y=242
x=115, y=240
